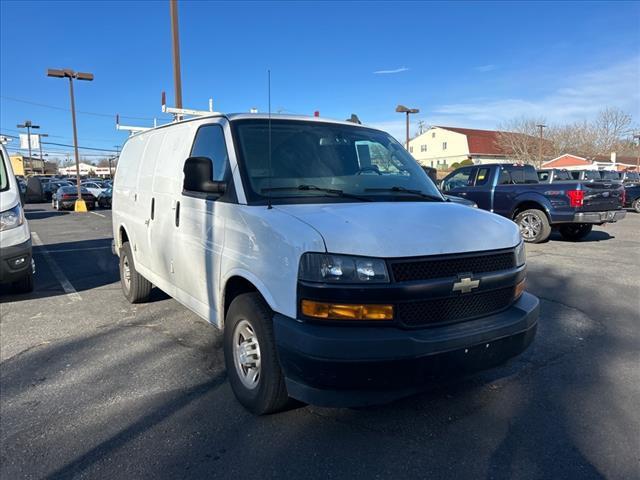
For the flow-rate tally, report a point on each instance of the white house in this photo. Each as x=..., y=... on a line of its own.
x=440, y=147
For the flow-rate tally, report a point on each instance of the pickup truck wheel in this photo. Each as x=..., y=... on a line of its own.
x=636, y=205
x=575, y=231
x=250, y=356
x=534, y=226
x=135, y=287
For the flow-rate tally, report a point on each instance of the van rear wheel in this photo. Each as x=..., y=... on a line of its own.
x=135, y=287
x=250, y=356
x=534, y=225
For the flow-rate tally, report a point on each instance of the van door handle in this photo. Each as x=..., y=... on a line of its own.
x=177, y=207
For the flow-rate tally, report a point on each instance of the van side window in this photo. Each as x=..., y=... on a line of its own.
x=209, y=142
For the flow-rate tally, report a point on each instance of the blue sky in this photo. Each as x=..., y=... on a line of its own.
x=464, y=64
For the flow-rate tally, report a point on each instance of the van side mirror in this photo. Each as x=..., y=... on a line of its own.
x=198, y=177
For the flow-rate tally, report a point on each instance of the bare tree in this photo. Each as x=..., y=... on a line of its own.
x=519, y=139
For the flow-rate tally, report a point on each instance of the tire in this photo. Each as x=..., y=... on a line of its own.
x=575, y=231
x=534, y=225
x=136, y=288
x=636, y=205
x=250, y=320
x=24, y=285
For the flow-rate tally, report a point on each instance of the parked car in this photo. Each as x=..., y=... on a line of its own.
x=22, y=188
x=630, y=177
x=17, y=266
x=104, y=199
x=550, y=175
x=337, y=271
x=96, y=188
x=35, y=190
x=632, y=197
x=514, y=191
x=50, y=187
x=65, y=198
x=460, y=200
x=586, y=175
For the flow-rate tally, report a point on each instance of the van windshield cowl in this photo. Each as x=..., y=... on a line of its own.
x=341, y=162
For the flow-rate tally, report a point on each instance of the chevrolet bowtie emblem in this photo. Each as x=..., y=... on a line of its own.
x=465, y=285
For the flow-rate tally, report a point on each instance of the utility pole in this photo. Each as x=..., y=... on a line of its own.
x=541, y=127
x=80, y=206
x=421, y=127
x=29, y=125
x=407, y=111
x=40, y=145
x=173, y=6
x=637, y=138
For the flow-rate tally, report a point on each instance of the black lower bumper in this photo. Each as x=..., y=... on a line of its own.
x=15, y=262
x=352, y=366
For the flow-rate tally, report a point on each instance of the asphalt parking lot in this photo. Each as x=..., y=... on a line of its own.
x=93, y=387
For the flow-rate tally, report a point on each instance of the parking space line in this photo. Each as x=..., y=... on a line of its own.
x=67, y=250
x=57, y=271
x=99, y=214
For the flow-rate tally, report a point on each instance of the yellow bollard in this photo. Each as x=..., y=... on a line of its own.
x=80, y=206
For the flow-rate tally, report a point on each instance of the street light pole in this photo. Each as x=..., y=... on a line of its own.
x=541, y=127
x=173, y=6
x=408, y=111
x=80, y=206
x=29, y=125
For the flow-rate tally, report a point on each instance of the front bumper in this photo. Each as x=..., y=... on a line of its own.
x=351, y=366
x=599, y=217
x=15, y=262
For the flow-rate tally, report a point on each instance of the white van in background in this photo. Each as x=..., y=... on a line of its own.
x=339, y=273
x=16, y=262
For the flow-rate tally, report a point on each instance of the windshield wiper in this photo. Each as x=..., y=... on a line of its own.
x=333, y=191
x=406, y=190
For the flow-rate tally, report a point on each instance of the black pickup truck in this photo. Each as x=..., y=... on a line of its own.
x=515, y=192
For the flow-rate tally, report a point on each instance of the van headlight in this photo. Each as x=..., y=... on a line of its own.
x=11, y=218
x=521, y=254
x=327, y=267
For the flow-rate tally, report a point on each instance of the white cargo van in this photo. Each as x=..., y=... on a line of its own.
x=337, y=270
x=16, y=262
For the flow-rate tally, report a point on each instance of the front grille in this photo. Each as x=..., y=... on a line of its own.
x=449, y=309
x=430, y=268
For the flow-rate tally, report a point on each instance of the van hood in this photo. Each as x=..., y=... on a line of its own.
x=405, y=229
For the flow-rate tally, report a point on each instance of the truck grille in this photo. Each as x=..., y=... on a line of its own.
x=460, y=307
x=446, y=266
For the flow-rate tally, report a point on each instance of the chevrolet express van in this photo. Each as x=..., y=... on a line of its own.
x=16, y=262
x=339, y=274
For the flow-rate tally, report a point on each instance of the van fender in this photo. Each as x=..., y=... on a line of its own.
x=255, y=281
x=531, y=197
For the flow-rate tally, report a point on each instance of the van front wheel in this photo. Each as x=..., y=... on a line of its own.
x=135, y=287
x=251, y=357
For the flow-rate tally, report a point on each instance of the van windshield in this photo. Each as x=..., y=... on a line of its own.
x=311, y=159
x=4, y=178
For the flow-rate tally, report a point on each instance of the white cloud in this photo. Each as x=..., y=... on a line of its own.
x=396, y=70
x=581, y=97
x=486, y=68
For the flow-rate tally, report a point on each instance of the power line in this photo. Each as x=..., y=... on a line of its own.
x=53, y=107
x=67, y=145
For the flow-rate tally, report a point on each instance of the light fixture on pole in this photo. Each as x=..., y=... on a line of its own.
x=28, y=124
x=408, y=111
x=80, y=206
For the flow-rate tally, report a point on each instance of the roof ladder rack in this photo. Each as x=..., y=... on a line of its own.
x=133, y=129
x=178, y=113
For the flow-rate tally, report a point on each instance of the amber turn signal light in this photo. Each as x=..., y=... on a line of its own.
x=336, y=311
x=519, y=289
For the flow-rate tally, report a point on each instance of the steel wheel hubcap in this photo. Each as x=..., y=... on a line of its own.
x=530, y=226
x=246, y=354
x=126, y=273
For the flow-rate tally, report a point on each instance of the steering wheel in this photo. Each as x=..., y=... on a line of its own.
x=368, y=169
